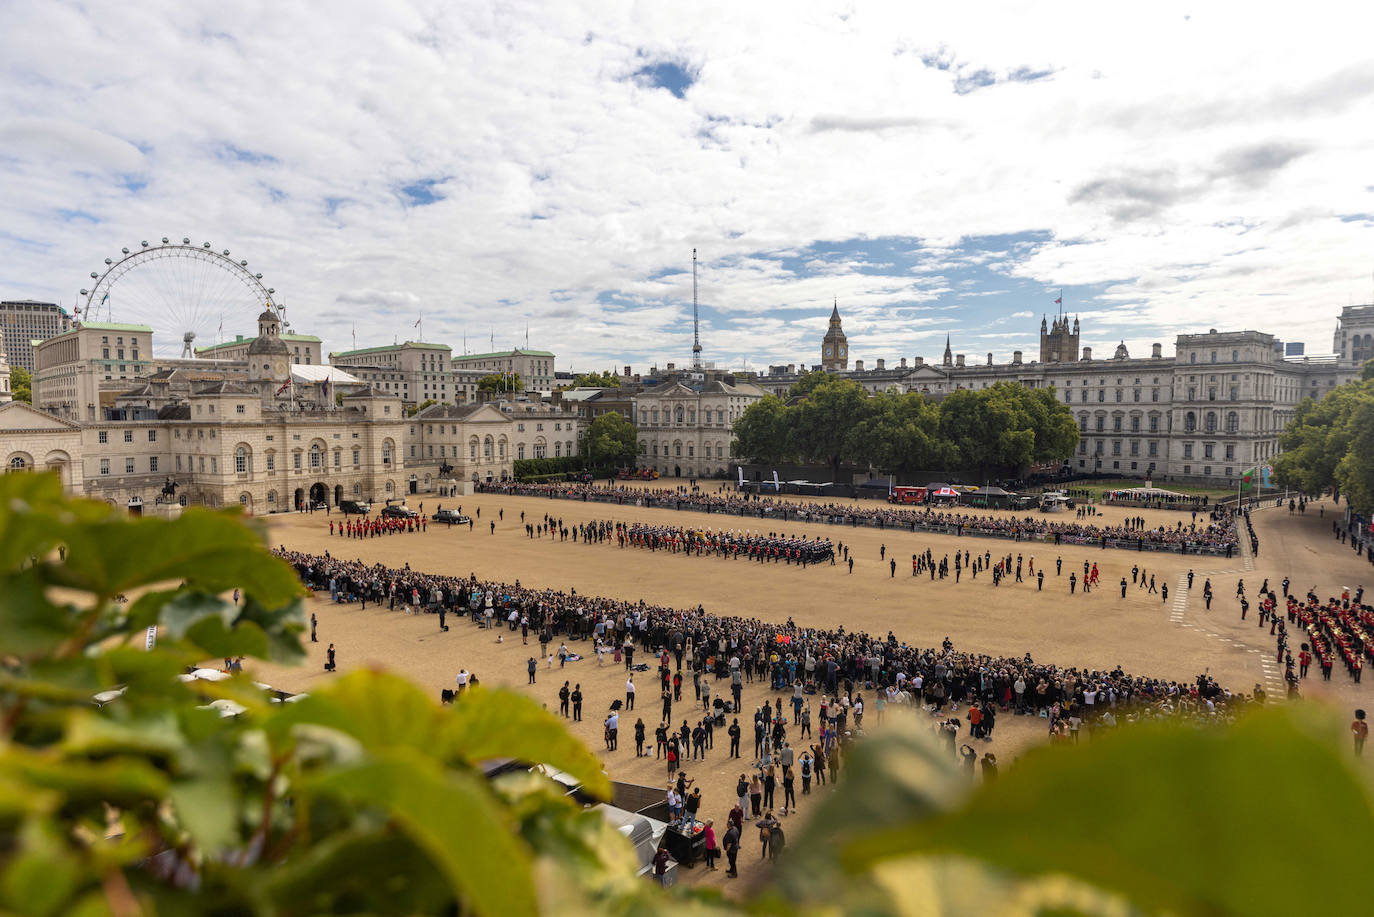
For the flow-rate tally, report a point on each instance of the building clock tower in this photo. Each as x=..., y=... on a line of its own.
x=835, y=346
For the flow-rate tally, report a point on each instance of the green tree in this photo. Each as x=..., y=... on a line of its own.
x=21, y=384
x=808, y=382
x=1007, y=427
x=825, y=422
x=902, y=434
x=1317, y=438
x=763, y=432
x=417, y=408
x=497, y=382
x=608, y=379
x=610, y=440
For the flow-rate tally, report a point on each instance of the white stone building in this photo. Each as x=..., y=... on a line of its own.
x=414, y=371
x=686, y=431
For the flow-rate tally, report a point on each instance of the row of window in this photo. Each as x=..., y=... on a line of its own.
x=707, y=415
x=691, y=450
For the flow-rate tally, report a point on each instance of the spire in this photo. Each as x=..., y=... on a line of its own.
x=835, y=312
x=949, y=355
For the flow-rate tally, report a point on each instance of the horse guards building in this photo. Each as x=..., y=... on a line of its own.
x=264, y=422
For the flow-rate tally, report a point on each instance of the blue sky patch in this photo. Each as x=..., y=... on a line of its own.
x=671, y=75
x=421, y=193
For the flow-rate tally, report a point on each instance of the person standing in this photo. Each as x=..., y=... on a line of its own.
x=577, y=703
x=711, y=851
x=734, y=732
x=639, y=738
x=564, y=697
x=731, y=845
x=612, y=731
x=313, y=623
x=630, y=693
x=331, y=664
x=532, y=666
x=1359, y=729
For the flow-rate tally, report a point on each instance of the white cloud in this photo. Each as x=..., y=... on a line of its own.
x=1205, y=187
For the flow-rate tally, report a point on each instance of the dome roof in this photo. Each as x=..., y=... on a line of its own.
x=268, y=316
x=265, y=344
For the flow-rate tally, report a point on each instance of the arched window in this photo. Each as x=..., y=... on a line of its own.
x=241, y=460
x=316, y=455
x=386, y=452
x=486, y=448
x=390, y=487
x=679, y=413
x=271, y=496
x=1189, y=422
x=1211, y=421
x=472, y=448
x=1232, y=422
x=18, y=463
x=677, y=447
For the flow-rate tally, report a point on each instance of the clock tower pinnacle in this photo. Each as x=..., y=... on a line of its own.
x=835, y=346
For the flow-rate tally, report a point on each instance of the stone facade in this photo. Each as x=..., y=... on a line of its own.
x=542, y=430
x=414, y=371
x=474, y=441
x=304, y=348
x=534, y=367
x=685, y=431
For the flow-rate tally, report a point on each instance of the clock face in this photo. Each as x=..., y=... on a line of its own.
x=829, y=351
x=843, y=350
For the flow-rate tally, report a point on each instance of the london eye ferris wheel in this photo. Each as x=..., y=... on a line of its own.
x=185, y=292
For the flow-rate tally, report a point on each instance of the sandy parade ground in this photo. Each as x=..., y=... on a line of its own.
x=1145, y=635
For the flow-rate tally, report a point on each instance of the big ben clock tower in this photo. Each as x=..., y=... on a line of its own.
x=835, y=346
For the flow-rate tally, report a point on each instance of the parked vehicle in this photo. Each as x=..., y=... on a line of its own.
x=451, y=516
x=399, y=511
x=907, y=495
x=355, y=507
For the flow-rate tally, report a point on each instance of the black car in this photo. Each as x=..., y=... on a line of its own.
x=354, y=508
x=451, y=516
x=399, y=511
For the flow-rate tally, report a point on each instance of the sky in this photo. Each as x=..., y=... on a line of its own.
x=546, y=169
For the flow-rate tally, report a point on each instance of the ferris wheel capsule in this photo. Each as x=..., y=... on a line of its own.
x=124, y=250
x=226, y=253
x=144, y=243
x=270, y=290
x=94, y=275
x=164, y=240
x=108, y=261
x=185, y=240
x=206, y=245
x=255, y=276
x=83, y=292
x=243, y=264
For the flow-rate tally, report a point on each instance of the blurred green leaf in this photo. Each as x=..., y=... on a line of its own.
x=1179, y=820
x=41, y=878
x=35, y=516
x=29, y=623
x=492, y=723
x=446, y=814
x=211, y=552
x=207, y=807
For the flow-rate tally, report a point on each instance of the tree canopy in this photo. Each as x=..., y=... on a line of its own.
x=500, y=382
x=610, y=440
x=608, y=379
x=21, y=384
x=1329, y=444
x=998, y=430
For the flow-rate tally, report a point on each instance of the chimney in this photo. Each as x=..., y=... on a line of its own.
x=959, y=360
x=791, y=368
x=858, y=366
x=880, y=364
x=919, y=361
x=903, y=362
x=1087, y=353
x=989, y=358
x=1016, y=356
x=1156, y=351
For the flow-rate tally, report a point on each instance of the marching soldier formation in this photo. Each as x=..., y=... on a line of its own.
x=772, y=547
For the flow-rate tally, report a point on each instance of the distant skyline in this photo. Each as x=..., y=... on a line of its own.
x=941, y=171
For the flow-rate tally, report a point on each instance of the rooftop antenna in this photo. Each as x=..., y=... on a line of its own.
x=696, y=325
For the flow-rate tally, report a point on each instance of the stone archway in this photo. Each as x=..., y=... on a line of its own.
x=338, y=494
x=319, y=493
x=298, y=501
